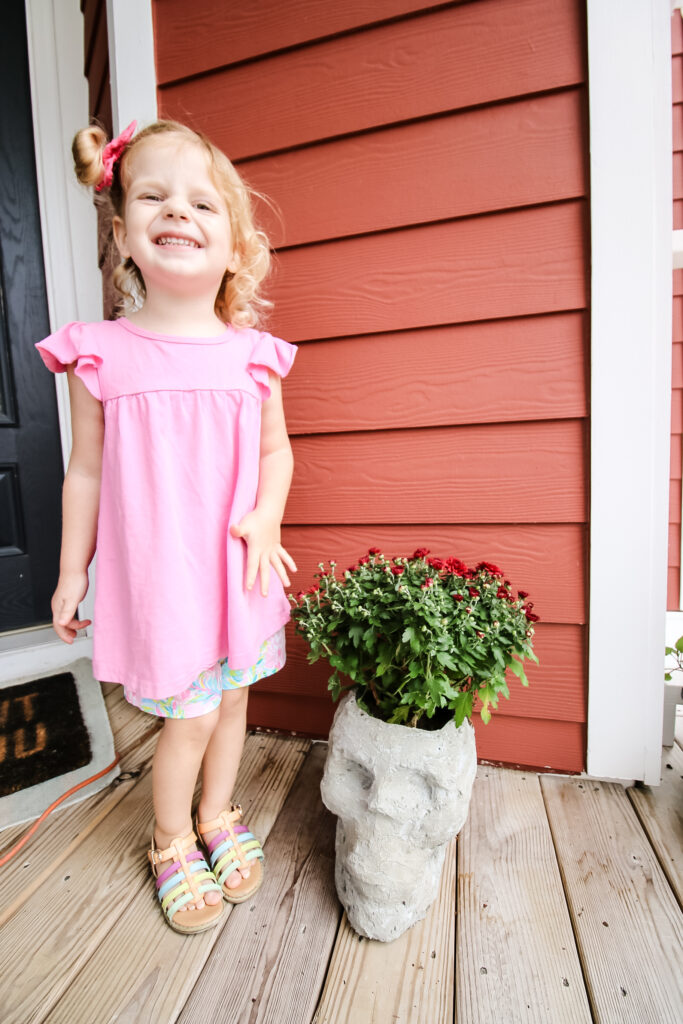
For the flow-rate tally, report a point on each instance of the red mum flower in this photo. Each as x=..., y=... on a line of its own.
x=374, y=551
x=420, y=552
x=429, y=582
x=521, y=594
x=473, y=592
x=364, y=560
x=397, y=570
x=314, y=589
x=502, y=592
x=488, y=567
x=529, y=614
x=458, y=597
x=352, y=568
x=436, y=563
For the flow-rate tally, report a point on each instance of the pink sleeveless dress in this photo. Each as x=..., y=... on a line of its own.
x=180, y=465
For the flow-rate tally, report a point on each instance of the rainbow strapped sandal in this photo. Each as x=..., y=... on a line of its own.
x=185, y=881
x=233, y=847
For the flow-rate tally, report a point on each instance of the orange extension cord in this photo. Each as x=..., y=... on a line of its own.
x=25, y=838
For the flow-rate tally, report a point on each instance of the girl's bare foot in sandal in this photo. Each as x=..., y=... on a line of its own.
x=187, y=889
x=234, y=853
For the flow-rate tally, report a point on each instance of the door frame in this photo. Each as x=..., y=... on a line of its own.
x=59, y=101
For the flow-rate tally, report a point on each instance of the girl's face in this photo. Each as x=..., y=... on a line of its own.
x=176, y=225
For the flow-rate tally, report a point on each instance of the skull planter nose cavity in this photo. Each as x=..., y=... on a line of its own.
x=400, y=795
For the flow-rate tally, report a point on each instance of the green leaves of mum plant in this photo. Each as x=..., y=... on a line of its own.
x=420, y=640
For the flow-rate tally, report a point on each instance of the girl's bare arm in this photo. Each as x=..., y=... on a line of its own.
x=80, y=506
x=261, y=528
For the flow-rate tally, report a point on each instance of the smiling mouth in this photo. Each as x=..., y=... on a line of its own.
x=173, y=240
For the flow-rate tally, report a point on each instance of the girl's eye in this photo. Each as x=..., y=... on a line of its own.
x=203, y=206
x=151, y=195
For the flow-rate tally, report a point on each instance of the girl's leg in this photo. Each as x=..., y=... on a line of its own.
x=175, y=768
x=221, y=762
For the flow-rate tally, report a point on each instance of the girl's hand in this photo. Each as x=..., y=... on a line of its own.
x=262, y=534
x=71, y=589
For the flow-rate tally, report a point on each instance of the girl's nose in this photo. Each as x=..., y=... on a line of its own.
x=175, y=209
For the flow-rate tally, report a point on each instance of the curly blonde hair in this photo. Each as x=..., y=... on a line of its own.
x=238, y=301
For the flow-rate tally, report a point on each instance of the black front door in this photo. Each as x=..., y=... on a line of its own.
x=30, y=454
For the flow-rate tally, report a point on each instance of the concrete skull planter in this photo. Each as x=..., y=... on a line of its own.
x=400, y=795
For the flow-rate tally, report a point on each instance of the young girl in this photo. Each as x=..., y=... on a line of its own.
x=179, y=473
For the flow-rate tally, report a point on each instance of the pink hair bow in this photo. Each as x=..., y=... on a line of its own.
x=112, y=152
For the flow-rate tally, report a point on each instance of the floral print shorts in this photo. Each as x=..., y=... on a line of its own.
x=204, y=694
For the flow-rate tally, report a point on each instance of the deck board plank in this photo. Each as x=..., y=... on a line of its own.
x=628, y=924
x=278, y=944
x=405, y=981
x=73, y=910
x=141, y=969
x=516, y=958
x=59, y=836
x=661, y=814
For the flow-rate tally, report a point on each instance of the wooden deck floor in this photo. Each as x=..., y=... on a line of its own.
x=560, y=902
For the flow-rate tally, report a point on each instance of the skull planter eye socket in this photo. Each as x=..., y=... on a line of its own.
x=400, y=795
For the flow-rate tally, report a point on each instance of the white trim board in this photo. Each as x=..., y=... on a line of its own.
x=132, y=70
x=629, y=86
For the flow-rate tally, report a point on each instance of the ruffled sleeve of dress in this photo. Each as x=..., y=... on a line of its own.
x=269, y=353
x=74, y=343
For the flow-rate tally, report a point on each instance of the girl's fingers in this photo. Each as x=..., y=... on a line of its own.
x=286, y=557
x=252, y=568
x=265, y=576
x=279, y=568
x=67, y=631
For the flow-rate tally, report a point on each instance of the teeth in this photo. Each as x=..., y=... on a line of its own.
x=170, y=240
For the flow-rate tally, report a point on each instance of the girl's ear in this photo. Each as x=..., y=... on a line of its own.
x=234, y=262
x=120, y=237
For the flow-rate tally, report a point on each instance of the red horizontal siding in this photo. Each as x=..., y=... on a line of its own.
x=256, y=28
x=422, y=172
x=439, y=61
x=546, y=560
x=557, y=746
x=501, y=265
x=96, y=60
x=517, y=472
x=675, y=502
x=529, y=368
x=677, y=365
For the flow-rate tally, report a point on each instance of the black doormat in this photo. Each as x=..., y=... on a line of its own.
x=42, y=733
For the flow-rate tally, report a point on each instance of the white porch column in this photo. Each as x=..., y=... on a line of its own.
x=629, y=87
